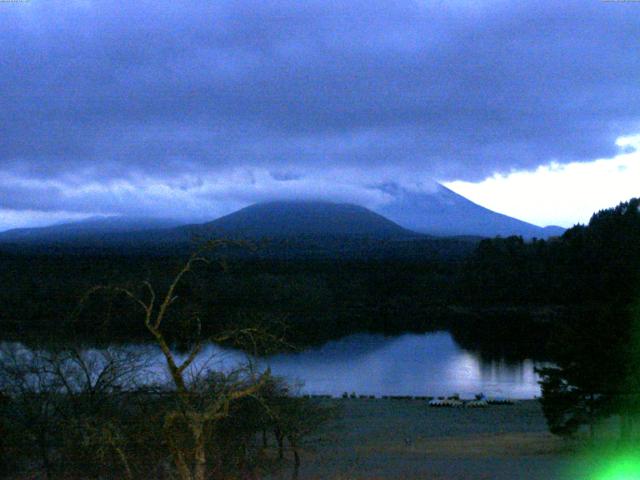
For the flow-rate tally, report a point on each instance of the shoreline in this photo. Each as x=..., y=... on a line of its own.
x=394, y=439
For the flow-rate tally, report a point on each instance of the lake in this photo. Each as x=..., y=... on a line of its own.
x=429, y=364
x=410, y=364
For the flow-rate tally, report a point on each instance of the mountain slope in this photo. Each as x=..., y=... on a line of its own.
x=445, y=213
x=300, y=218
x=90, y=229
x=440, y=213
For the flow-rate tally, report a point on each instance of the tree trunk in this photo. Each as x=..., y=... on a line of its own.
x=296, y=457
x=199, y=451
x=184, y=472
x=44, y=453
x=125, y=463
x=280, y=440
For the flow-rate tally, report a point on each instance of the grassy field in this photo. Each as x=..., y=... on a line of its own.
x=406, y=439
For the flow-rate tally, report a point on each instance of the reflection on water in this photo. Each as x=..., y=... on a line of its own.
x=370, y=364
x=410, y=364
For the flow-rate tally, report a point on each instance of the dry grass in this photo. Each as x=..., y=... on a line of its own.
x=474, y=446
x=385, y=439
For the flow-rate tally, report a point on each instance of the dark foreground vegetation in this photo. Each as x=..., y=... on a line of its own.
x=72, y=414
x=573, y=300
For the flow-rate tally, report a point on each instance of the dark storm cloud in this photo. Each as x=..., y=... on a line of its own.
x=122, y=91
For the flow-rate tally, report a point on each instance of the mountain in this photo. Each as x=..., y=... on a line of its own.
x=282, y=219
x=291, y=230
x=439, y=213
x=90, y=229
x=443, y=212
x=300, y=218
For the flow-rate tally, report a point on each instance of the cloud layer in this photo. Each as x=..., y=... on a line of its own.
x=119, y=106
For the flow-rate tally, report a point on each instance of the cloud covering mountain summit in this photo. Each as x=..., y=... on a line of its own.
x=107, y=102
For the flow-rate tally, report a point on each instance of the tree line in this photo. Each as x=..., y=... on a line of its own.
x=593, y=271
x=506, y=285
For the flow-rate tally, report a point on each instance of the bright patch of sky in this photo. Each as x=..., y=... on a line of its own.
x=34, y=218
x=557, y=194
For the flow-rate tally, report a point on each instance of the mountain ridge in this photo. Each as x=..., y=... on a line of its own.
x=92, y=227
x=290, y=218
x=440, y=212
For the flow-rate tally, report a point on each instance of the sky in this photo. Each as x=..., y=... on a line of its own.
x=191, y=109
x=560, y=194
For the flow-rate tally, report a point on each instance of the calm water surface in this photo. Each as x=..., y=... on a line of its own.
x=370, y=364
x=410, y=364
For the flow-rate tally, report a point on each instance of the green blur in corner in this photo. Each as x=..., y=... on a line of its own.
x=604, y=461
x=620, y=467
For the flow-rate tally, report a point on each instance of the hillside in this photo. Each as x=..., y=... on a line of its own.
x=443, y=212
x=296, y=219
x=94, y=229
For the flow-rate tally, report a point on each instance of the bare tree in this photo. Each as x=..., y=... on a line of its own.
x=196, y=410
x=31, y=395
x=56, y=396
